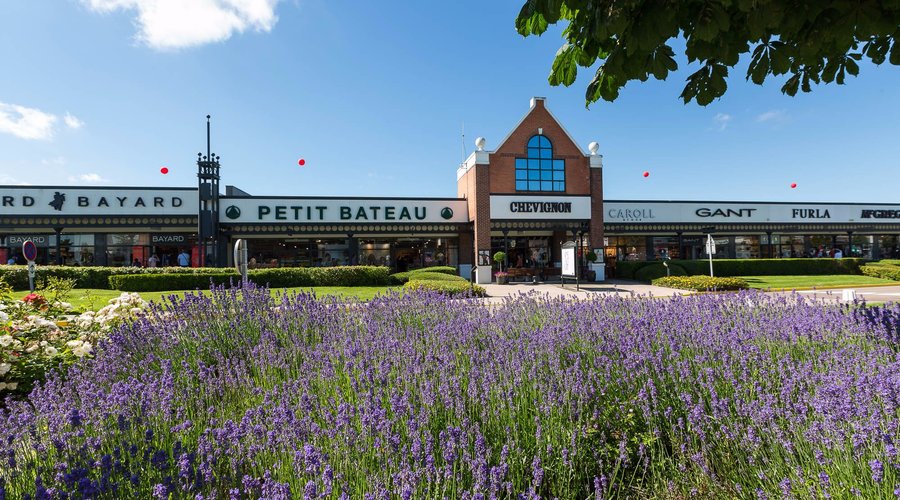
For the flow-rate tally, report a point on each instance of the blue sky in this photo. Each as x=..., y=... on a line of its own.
x=373, y=95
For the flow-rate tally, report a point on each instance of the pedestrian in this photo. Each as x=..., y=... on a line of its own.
x=184, y=259
x=153, y=261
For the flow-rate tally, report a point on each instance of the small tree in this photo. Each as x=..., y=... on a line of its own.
x=500, y=258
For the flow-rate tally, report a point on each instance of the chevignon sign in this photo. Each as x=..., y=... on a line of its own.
x=103, y=201
x=523, y=207
x=334, y=210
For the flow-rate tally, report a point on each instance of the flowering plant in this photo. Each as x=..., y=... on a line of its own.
x=38, y=335
x=501, y=274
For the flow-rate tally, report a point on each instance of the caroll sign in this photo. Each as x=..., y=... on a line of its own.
x=337, y=211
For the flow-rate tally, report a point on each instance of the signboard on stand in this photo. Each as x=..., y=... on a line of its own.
x=240, y=259
x=29, y=251
x=569, y=266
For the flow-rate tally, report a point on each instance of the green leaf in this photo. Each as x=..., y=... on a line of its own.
x=895, y=53
x=565, y=68
x=791, y=86
x=852, y=67
x=759, y=65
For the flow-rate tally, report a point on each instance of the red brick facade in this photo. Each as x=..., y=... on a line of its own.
x=493, y=173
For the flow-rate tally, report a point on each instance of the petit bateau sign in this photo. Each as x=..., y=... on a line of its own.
x=335, y=210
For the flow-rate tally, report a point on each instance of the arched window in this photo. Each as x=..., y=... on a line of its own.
x=539, y=171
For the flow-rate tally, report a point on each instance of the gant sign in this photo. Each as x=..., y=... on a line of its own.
x=97, y=201
x=725, y=212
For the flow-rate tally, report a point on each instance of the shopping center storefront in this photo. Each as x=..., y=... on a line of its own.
x=537, y=190
x=648, y=230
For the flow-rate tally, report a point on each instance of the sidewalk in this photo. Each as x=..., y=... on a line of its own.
x=622, y=288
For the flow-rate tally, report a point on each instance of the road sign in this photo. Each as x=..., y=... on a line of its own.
x=29, y=250
x=710, y=245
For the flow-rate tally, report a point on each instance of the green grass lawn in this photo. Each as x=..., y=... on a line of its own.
x=83, y=299
x=791, y=282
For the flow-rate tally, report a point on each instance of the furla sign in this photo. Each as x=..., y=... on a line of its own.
x=97, y=201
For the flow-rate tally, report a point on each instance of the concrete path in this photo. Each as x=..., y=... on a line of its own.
x=497, y=293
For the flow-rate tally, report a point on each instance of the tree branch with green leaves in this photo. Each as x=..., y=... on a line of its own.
x=815, y=41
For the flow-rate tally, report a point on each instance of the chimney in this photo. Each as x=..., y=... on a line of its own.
x=537, y=101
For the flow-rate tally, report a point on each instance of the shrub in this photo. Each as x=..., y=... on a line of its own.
x=282, y=277
x=881, y=270
x=658, y=270
x=701, y=283
x=751, y=267
x=445, y=287
x=90, y=277
x=438, y=269
x=420, y=275
x=164, y=282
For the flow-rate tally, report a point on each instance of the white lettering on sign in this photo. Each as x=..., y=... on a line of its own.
x=101, y=201
x=334, y=210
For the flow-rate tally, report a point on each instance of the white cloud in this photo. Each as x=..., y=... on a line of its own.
x=87, y=178
x=175, y=24
x=722, y=120
x=26, y=123
x=776, y=115
x=54, y=162
x=72, y=121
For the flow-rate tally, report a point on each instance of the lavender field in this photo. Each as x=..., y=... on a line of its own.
x=418, y=396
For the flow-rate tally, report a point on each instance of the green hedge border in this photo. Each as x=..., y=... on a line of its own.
x=749, y=267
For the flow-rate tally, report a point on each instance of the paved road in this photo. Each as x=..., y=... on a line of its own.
x=870, y=294
x=496, y=293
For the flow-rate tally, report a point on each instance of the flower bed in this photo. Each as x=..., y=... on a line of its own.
x=701, y=283
x=419, y=396
x=38, y=335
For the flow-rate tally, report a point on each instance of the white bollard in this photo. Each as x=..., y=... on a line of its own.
x=848, y=295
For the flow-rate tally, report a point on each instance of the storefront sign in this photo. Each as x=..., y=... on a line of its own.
x=329, y=210
x=15, y=240
x=169, y=239
x=540, y=207
x=99, y=201
x=712, y=212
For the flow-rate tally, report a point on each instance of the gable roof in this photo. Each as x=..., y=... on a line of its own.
x=534, y=106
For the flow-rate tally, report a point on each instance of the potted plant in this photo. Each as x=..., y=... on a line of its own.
x=502, y=277
x=500, y=258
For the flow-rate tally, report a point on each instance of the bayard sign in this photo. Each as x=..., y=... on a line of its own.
x=116, y=201
x=341, y=211
x=722, y=212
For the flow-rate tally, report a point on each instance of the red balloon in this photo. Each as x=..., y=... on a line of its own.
x=793, y=185
x=301, y=162
x=164, y=170
x=646, y=174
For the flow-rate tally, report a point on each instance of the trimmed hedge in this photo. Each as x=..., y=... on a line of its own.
x=446, y=287
x=881, y=270
x=751, y=267
x=701, y=283
x=166, y=282
x=438, y=269
x=91, y=276
x=282, y=277
x=657, y=270
x=400, y=278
